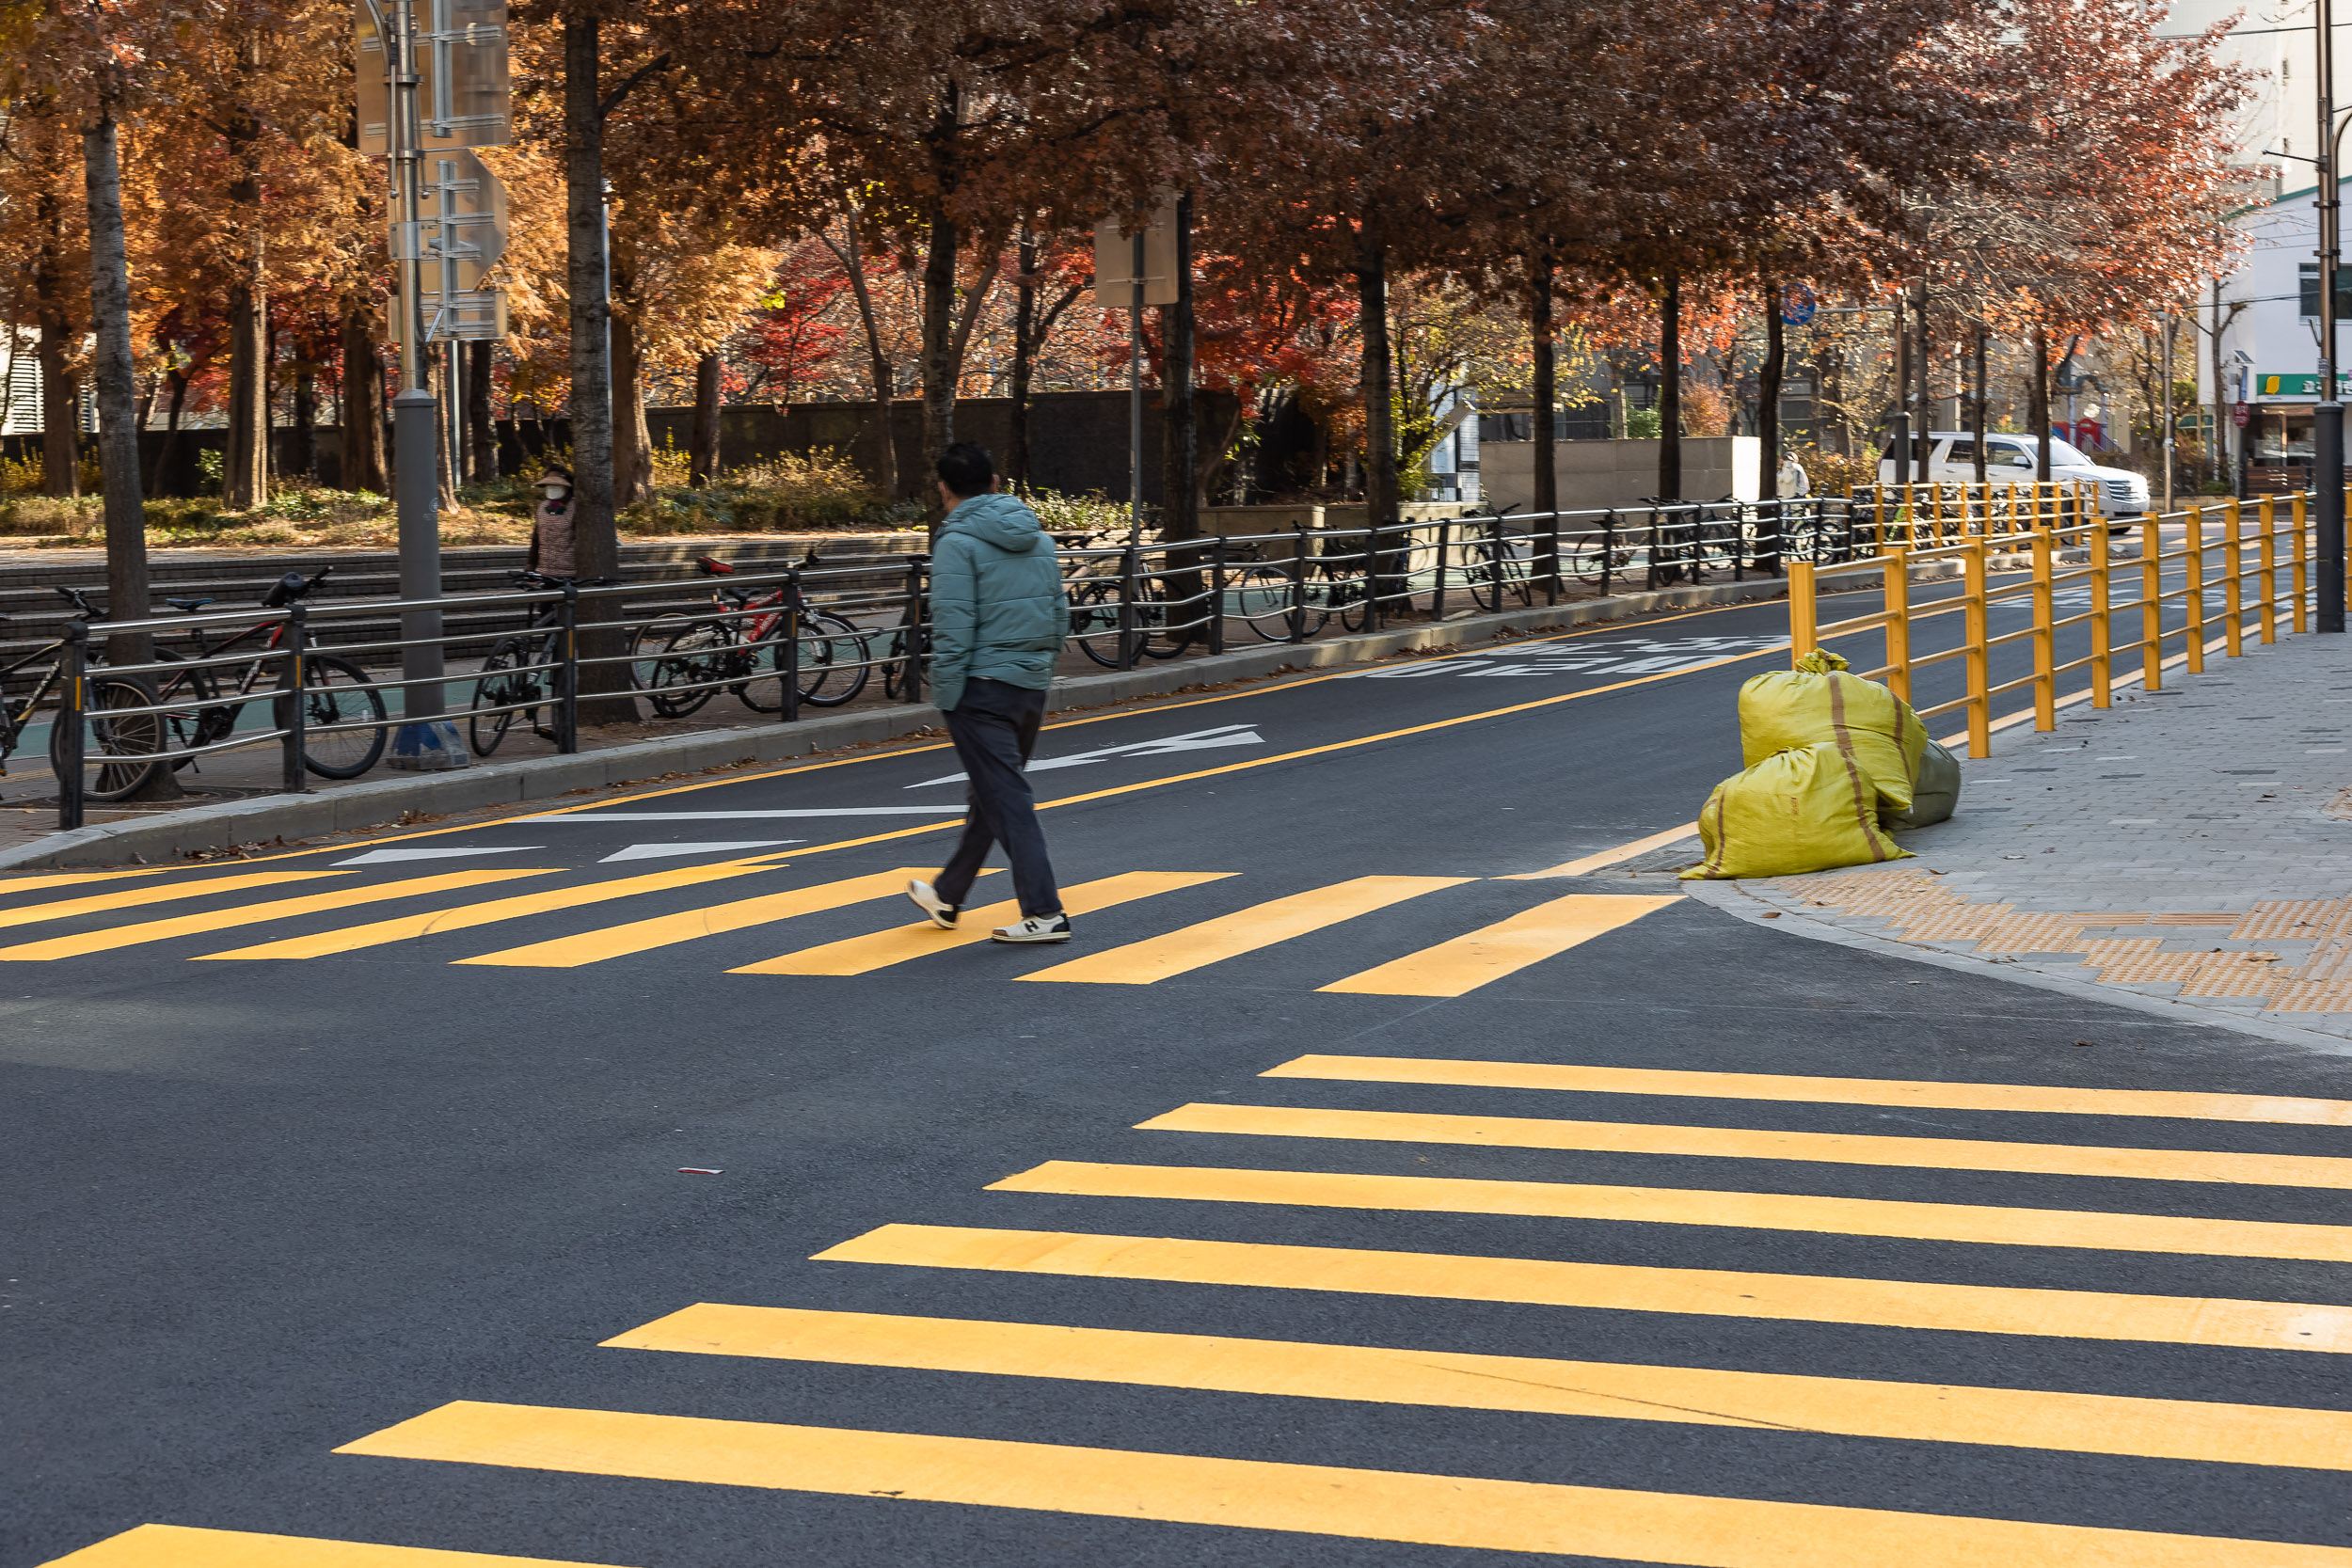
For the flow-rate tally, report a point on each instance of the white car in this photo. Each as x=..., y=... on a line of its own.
x=2010, y=460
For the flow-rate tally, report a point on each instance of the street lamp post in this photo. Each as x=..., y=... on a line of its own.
x=2327, y=420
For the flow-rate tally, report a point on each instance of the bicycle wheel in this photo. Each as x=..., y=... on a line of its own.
x=1484, y=579
x=197, y=716
x=644, y=649
x=836, y=659
x=120, y=754
x=336, y=700
x=498, y=686
x=1160, y=631
x=1262, y=597
x=692, y=655
x=1094, y=619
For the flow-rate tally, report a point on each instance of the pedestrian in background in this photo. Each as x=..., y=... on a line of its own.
x=553, y=526
x=1795, y=484
x=999, y=617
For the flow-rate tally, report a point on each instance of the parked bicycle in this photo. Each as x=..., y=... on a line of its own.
x=121, y=750
x=681, y=661
x=1494, y=568
x=522, y=673
x=343, y=712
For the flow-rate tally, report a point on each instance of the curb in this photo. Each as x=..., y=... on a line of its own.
x=270, y=818
x=1736, y=901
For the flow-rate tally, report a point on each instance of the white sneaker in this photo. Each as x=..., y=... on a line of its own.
x=943, y=914
x=1037, y=928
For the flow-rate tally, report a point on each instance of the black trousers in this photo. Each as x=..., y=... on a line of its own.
x=994, y=728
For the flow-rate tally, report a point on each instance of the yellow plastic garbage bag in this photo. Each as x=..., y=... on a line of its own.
x=1817, y=700
x=1807, y=809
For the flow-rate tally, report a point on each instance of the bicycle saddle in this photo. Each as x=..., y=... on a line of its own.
x=187, y=607
x=711, y=566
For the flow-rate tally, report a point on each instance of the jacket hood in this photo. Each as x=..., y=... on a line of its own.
x=1001, y=520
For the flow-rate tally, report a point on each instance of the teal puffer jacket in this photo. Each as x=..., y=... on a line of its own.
x=998, y=607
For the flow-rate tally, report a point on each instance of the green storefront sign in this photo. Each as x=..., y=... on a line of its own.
x=2306, y=385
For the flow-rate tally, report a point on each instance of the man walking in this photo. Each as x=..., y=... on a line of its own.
x=998, y=616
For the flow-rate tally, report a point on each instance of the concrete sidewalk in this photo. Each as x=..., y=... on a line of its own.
x=2190, y=849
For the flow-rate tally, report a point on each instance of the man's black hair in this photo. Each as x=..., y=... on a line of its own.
x=966, y=468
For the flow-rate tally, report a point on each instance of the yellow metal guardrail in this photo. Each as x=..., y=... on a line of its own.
x=1946, y=512
x=2276, y=547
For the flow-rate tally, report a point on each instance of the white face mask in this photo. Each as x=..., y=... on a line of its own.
x=553, y=492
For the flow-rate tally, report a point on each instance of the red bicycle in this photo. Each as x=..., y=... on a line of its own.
x=680, y=661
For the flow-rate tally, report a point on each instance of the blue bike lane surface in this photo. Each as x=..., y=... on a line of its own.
x=577, y=1216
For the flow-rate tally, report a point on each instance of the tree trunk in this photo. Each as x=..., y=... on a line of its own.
x=437, y=359
x=597, y=547
x=482, y=435
x=853, y=257
x=1179, y=430
x=1768, y=381
x=1024, y=363
x=939, y=368
x=2037, y=401
x=364, y=461
x=1545, y=395
x=633, y=437
x=244, y=474
x=704, y=459
x=1976, y=414
x=60, y=411
x=176, y=381
x=1371, y=293
x=304, y=458
x=1670, y=391
x=117, y=420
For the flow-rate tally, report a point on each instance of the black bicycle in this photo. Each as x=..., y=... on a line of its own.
x=120, y=751
x=343, y=712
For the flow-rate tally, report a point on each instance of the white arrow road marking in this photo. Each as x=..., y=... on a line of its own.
x=1199, y=741
x=714, y=846
x=385, y=857
x=745, y=815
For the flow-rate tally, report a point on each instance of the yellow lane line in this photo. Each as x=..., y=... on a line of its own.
x=404, y=927
x=1910, y=1093
x=663, y=930
x=1741, y=1143
x=180, y=1546
x=863, y=955
x=1478, y=957
x=251, y=914
x=1379, y=1374
x=1607, y=858
x=1839, y=1216
x=129, y=898
x=1320, y=1499
x=1139, y=963
x=1616, y=1286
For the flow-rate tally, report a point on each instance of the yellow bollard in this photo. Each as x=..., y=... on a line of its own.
x=2233, y=571
x=2298, y=567
x=2044, y=639
x=1805, y=618
x=2266, y=531
x=1898, y=622
x=2152, y=604
x=2102, y=630
x=2193, y=589
x=1980, y=697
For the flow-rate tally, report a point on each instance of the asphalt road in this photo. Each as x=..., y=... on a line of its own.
x=328, y=1193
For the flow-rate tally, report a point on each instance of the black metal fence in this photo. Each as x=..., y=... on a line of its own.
x=819, y=635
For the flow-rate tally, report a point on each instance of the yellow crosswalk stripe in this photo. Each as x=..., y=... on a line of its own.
x=1740, y=1143
x=863, y=955
x=252, y=914
x=102, y=903
x=1140, y=963
x=1903, y=1092
x=403, y=928
x=1378, y=1374
x=1477, y=957
x=62, y=878
x=1373, y=1505
x=1616, y=1286
x=662, y=930
x=180, y=1546
x=1839, y=1216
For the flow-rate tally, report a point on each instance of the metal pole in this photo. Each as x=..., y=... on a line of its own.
x=567, y=699
x=296, y=647
x=1135, y=402
x=1899, y=430
x=2328, y=421
x=2168, y=408
x=72, y=701
x=424, y=740
x=787, y=657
